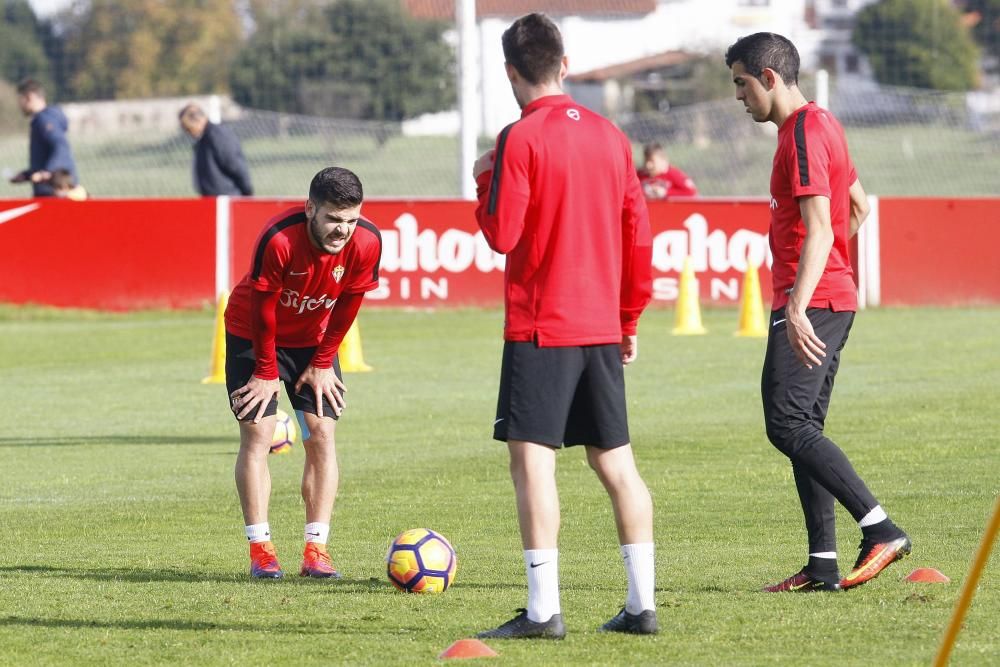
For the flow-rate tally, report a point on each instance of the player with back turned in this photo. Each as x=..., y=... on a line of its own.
x=817, y=204
x=560, y=197
x=285, y=321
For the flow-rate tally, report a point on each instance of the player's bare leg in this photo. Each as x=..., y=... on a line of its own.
x=253, y=483
x=320, y=479
x=253, y=478
x=533, y=471
x=633, y=508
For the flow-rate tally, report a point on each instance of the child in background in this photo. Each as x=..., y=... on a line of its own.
x=661, y=180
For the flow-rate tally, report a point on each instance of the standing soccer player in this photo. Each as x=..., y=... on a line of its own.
x=817, y=204
x=560, y=197
x=311, y=268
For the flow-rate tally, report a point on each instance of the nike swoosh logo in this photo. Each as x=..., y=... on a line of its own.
x=313, y=534
x=800, y=586
x=498, y=421
x=777, y=322
x=297, y=273
x=534, y=565
x=7, y=216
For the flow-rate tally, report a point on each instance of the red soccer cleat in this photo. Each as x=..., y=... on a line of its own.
x=875, y=557
x=802, y=583
x=263, y=561
x=316, y=562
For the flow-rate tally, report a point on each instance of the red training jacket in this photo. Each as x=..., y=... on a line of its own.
x=563, y=202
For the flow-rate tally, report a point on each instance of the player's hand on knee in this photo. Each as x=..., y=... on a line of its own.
x=325, y=383
x=255, y=393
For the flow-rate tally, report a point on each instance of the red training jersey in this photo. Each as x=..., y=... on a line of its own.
x=812, y=159
x=309, y=280
x=563, y=202
x=671, y=183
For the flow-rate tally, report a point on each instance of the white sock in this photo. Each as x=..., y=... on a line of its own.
x=258, y=532
x=641, y=577
x=875, y=516
x=317, y=532
x=542, y=567
x=824, y=554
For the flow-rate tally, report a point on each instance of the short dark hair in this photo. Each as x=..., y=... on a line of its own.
x=190, y=110
x=61, y=178
x=339, y=187
x=533, y=46
x=766, y=50
x=30, y=85
x=652, y=148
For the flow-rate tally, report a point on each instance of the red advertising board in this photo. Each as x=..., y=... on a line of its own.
x=108, y=254
x=434, y=255
x=129, y=254
x=939, y=251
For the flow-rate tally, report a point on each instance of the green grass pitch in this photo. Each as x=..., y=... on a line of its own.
x=121, y=539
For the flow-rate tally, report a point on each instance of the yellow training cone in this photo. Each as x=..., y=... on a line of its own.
x=752, y=321
x=217, y=374
x=351, y=359
x=688, y=319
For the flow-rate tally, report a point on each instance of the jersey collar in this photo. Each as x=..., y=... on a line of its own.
x=547, y=101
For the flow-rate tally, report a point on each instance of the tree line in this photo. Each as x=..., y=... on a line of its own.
x=370, y=58
x=346, y=58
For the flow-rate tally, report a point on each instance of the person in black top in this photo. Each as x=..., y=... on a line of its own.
x=220, y=167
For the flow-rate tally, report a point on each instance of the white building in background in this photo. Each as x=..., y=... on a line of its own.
x=602, y=33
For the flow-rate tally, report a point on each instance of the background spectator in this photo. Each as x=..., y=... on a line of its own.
x=660, y=179
x=49, y=149
x=219, y=165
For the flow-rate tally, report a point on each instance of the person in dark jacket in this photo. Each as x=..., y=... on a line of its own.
x=219, y=165
x=49, y=149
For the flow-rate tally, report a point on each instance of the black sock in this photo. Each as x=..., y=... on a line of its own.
x=883, y=531
x=824, y=569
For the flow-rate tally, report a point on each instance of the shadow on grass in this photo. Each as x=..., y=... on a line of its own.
x=133, y=575
x=326, y=628
x=75, y=441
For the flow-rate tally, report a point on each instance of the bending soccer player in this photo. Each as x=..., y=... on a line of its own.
x=817, y=204
x=311, y=268
x=560, y=196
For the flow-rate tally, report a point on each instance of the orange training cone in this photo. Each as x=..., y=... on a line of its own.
x=752, y=322
x=688, y=319
x=927, y=575
x=351, y=359
x=217, y=373
x=467, y=648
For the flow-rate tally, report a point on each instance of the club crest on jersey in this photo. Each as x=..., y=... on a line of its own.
x=338, y=272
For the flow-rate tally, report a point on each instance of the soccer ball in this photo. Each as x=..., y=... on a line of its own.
x=421, y=561
x=284, y=434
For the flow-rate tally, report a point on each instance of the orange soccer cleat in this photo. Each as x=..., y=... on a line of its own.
x=875, y=557
x=316, y=562
x=264, y=561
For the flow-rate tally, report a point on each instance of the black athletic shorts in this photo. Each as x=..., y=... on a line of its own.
x=559, y=396
x=292, y=361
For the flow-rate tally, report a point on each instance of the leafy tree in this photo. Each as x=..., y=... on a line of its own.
x=22, y=38
x=352, y=58
x=918, y=43
x=141, y=48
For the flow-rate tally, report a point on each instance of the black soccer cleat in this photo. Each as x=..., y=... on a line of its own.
x=522, y=627
x=634, y=624
x=803, y=582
